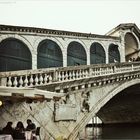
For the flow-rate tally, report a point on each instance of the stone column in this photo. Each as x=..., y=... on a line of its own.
x=34, y=60
x=64, y=58
x=88, y=57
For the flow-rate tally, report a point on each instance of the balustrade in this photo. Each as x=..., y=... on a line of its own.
x=31, y=78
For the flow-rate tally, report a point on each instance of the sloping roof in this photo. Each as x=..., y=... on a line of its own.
x=125, y=26
x=50, y=31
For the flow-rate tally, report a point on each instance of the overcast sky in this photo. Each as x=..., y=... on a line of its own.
x=90, y=16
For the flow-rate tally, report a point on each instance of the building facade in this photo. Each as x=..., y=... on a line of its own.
x=33, y=48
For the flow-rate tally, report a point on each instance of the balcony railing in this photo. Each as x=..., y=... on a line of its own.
x=39, y=77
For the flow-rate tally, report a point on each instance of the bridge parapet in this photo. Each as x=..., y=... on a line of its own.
x=40, y=77
x=66, y=113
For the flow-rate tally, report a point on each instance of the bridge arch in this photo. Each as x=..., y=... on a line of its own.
x=14, y=55
x=49, y=54
x=113, y=53
x=116, y=91
x=76, y=54
x=131, y=46
x=54, y=39
x=102, y=101
x=21, y=38
x=97, y=53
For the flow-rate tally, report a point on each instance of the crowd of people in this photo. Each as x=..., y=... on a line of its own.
x=19, y=132
x=134, y=59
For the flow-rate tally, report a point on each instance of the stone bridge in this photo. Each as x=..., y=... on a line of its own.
x=61, y=79
x=63, y=100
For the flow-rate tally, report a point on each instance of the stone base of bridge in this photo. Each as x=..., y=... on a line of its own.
x=63, y=117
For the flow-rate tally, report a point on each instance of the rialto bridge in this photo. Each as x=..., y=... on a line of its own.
x=61, y=79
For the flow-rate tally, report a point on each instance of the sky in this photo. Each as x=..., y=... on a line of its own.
x=89, y=16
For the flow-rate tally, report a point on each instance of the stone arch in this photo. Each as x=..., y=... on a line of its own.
x=18, y=37
x=76, y=54
x=103, y=101
x=14, y=55
x=80, y=41
x=49, y=54
x=131, y=46
x=114, y=53
x=97, y=53
x=54, y=39
x=115, y=92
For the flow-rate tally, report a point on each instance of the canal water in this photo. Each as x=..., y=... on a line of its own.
x=112, y=132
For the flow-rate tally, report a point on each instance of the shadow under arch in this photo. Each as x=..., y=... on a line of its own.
x=97, y=54
x=131, y=46
x=76, y=54
x=95, y=109
x=14, y=55
x=114, y=54
x=49, y=54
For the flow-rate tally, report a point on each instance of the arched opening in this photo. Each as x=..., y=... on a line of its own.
x=76, y=54
x=97, y=54
x=114, y=54
x=49, y=55
x=14, y=55
x=131, y=47
x=123, y=107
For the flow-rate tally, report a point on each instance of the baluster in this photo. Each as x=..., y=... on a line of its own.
x=15, y=82
x=50, y=78
x=20, y=82
x=83, y=73
x=36, y=79
x=70, y=75
x=93, y=72
x=77, y=74
x=106, y=70
x=41, y=79
x=9, y=83
x=80, y=74
x=63, y=76
x=56, y=76
x=90, y=72
x=45, y=78
x=73, y=74
x=59, y=76
x=26, y=81
x=98, y=71
x=109, y=70
x=66, y=75
x=89, y=85
x=86, y=73
x=112, y=69
x=31, y=80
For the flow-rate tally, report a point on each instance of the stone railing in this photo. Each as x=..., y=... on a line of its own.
x=31, y=78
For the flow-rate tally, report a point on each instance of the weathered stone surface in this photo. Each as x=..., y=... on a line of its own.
x=60, y=115
x=65, y=112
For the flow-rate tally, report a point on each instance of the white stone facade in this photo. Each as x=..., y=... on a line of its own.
x=82, y=90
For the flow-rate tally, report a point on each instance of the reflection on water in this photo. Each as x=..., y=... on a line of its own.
x=111, y=132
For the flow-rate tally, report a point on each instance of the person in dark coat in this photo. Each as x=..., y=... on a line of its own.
x=19, y=131
x=31, y=127
x=8, y=129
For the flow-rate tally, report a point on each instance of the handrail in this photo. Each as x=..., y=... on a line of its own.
x=31, y=78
